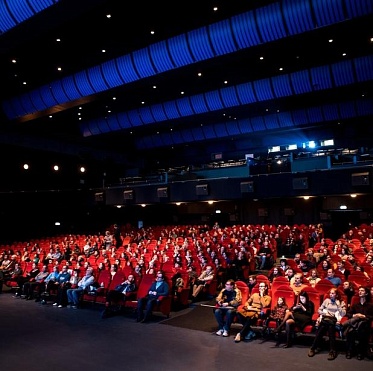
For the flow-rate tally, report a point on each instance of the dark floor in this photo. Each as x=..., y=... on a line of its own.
x=35, y=337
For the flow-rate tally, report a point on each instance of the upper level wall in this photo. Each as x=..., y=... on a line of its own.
x=312, y=183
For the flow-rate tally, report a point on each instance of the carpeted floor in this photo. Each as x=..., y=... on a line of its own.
x=198, y=318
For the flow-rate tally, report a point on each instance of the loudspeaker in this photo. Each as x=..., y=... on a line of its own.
x=288, y=211
x=360, y=179
x=202, y=190
x=162, y=192
x=247, y=187
x=300, y=183
x=262, y=212
x=99, y=197
x=128, y=195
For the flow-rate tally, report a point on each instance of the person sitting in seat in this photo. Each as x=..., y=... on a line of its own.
x=335, y=280
x=300, y=315
x=331, y=310
x=227, y=302
x=358, y=325
x=34, y=283
x=119, y=294
x=298, y=285
x=157, y=290
x=277, y=314
x=254, y=308
x=74, y=295
x=206, y=276
x=265, y=256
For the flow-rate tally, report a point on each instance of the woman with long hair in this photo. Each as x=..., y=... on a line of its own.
x=299, y=315
x=331, y=310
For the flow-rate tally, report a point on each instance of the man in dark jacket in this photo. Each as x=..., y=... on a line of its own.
x=157, y=289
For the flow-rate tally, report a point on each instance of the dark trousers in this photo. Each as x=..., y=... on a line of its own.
x=321, y=331
x=30, y=287
x=361, y=335
x=114, y=296
x=247, y=322
x=148, y=303
x=61, y=298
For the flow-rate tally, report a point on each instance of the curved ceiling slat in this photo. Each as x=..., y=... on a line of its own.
x=138, y=65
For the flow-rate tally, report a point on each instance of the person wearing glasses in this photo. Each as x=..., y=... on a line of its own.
x=227, y=301
x=255, y=307
x=157, y=289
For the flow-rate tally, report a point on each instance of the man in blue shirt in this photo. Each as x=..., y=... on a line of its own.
x=336, y=281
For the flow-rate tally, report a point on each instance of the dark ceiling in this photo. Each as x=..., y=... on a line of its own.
x=305, y=88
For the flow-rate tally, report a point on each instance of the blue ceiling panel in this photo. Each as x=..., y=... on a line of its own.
x=158, y=112
x=213, y=100
x=198, y=103
x=83, y=84
x=97, y=79
x=245, y=31
x=143, y=63
x=179, y=51
x=245, y=126
x=161, y=57
x=270, y=22
x=111, y=74
x=199, y=44
x=229, y=96
x=170, y=109
x=134, y=118
x=146, y=115
x=281, y=86
x=127, y=69
x=246, y=93
x=343, y=73
x=298, y=16
x=233, y=128
x=185, y=107
x=221, y=37
x=69, y=86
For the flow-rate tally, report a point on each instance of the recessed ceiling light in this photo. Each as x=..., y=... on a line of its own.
x=261, y=58
x=330, y=40
x=14, y=61
x=152, y=32
x=281, y=69
x=108, y=16
x=215, y=8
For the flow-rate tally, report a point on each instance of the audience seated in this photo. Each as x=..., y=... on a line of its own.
x=194, y=247
x=227, y=302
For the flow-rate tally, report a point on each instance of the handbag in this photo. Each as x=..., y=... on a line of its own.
x=328, y=320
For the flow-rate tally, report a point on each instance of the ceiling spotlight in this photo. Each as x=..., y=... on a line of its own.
x=306, y=197
x=353, y=195
x=55, y=167
x=343, y=207
x=25, y=166
x=330, y=40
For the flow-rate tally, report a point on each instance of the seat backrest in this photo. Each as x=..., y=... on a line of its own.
x=278, y=282
x=359, y=279
x=284, y=291
x=144, y=287
x=323, y=286
x=118, y=278
x=245, y=292
x=104, y=279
